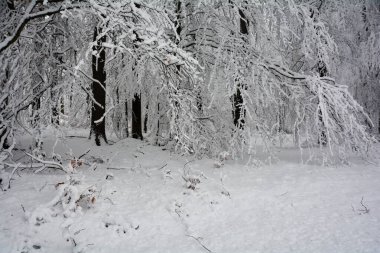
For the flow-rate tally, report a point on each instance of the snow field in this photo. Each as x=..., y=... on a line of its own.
x=142, y=203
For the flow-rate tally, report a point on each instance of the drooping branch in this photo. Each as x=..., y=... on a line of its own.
x=28, y=16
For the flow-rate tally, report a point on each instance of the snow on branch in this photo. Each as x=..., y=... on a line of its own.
x=28, y=15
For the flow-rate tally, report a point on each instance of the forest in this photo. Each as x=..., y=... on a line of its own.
x=189, y=125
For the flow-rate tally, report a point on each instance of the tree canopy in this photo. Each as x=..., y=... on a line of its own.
x=306, y=69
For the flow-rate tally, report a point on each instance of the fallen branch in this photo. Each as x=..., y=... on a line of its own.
x=200, y=243
x=115, y=168
x=48, y=163
x=21, y=165
x=75, y=136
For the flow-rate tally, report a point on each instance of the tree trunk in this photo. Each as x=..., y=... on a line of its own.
x=281, y=118
x=239, y=111
x=146, y=118
x=158, y=123
x=98, y=89
x=3, y=106
x=54, y=81
x=238, y=101
x=126, y=119
x=322, y=138
x=118, y=106
x=54, y=108
x=56, y=77
x=136, y=117
x=136, y=101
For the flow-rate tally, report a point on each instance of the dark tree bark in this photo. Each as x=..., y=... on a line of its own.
x=99, y=93
x=62, y=109
x=199, y=101
x=3, y=138
x=322, y=139
x=243, y=23
x=177, y=22
x=3, y=128
x=54, y=110
x=54, y=94
x=239, y=110
x=146, y=119
x=136, y=117
x=117, y=102
x=36, y=105
x=11, y=5
x=136, y=101
x=281, y=119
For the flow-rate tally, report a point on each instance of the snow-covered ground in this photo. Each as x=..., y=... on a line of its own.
x=137, y=200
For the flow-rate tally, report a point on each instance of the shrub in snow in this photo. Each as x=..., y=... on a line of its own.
x=222, y=156
x=191, y=181
x=71, y=199
x=75, y=163
x=192, y=178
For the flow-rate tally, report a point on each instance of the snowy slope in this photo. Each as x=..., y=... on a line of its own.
x=143, y=204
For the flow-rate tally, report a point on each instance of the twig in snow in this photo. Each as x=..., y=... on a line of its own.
x=85, y=153
x=365, y=210
x=80, y=230
x=11, y=175
x=184, y=166
x=200, y=243
x=23, y=208
x=42, y=187
x=163, y=166
x=110, y=200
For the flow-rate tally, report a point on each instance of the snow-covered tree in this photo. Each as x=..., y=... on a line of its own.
x=204, y=76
